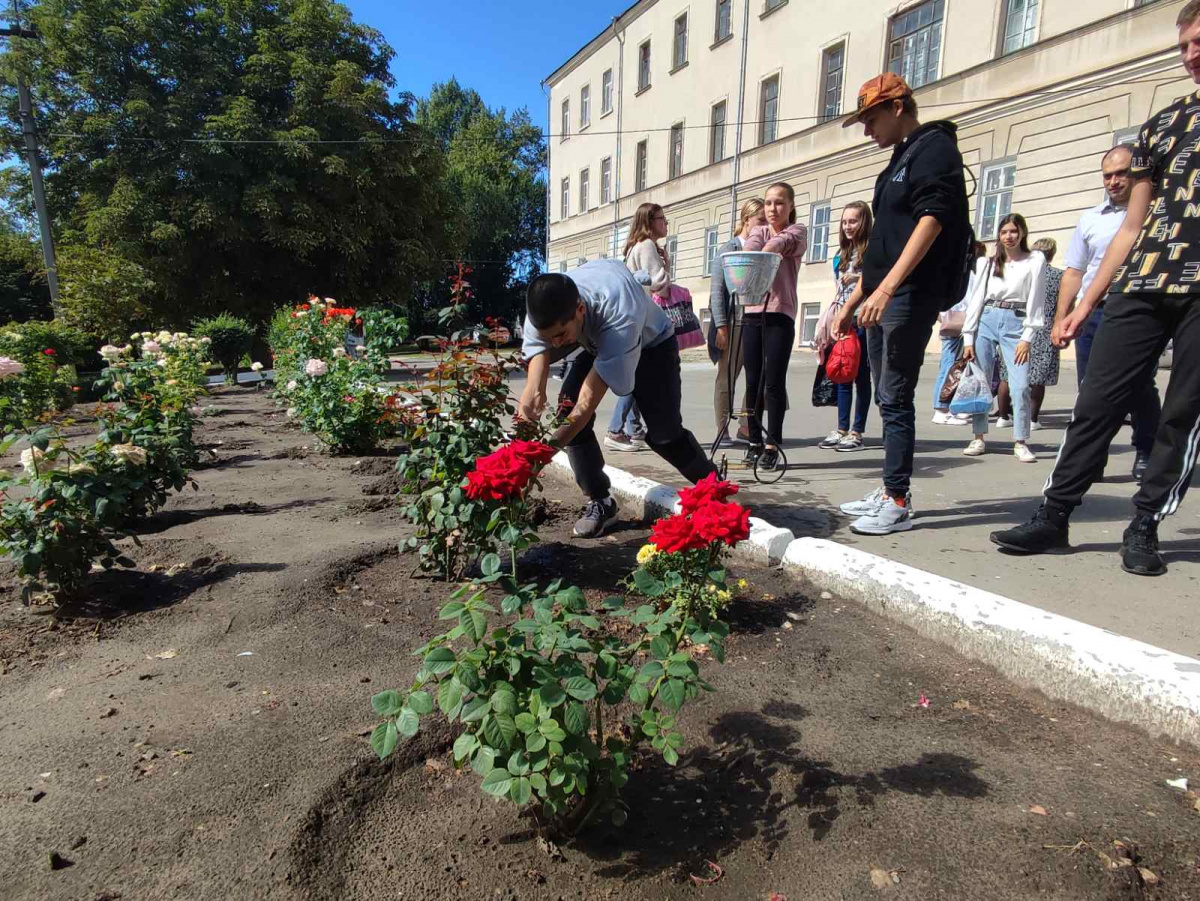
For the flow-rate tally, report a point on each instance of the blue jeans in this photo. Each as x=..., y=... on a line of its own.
x=1000, y=331
x=951, y=351
x=625, y=417
x=845, y=393
x=1146, y=408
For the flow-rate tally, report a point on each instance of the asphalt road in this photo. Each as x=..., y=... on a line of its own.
x=960, y=500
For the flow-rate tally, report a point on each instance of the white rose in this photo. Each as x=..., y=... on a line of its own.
x=129, y=453
x=33, y=460
x=291, y=413
x=162, y=364
x=256, y=367
x=339, y=352
x=315, y=367
x=293, y=385
x=150, y=348
x=206, y=340
x=110, y=352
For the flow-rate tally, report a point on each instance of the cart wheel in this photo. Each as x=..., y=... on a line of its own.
x=764, y=477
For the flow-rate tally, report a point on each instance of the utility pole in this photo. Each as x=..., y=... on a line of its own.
x=29, y=128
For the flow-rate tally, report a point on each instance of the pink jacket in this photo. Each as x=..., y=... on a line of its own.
x=790, y=244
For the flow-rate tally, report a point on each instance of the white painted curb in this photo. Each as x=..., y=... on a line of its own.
x=1118, y=677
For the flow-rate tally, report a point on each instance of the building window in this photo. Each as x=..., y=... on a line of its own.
x=639, y=173
x=818, y=232
x=562, y=267
x=711, y=242
x=716, y=145
x=676, y=162
x=566, y=120
x=606, y=91
x=644, y=66
x=724, y=20
x=810, y=314
x=833, y=63
x=768, y=111
x=565, y=208
x=606, y=180
x=585, y=106
x=1020, y=24
x=998, y=181
x=585, y=185
x=1127, y=135
x=772, y=4
x=915, y=43
x=670, y=247
x=681, y=30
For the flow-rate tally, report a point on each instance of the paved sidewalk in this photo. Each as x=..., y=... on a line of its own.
x=960, y=500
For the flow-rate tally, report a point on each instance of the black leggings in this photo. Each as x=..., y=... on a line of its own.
x=766, y=385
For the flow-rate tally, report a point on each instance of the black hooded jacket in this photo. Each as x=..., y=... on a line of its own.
x=929, y=183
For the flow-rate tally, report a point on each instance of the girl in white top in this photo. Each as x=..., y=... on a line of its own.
x=1006, y=310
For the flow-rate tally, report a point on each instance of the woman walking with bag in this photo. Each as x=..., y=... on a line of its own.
x=769, y=328
x=853, y=234
x=1006, y=311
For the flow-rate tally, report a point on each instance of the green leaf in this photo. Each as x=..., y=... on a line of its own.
x=507, y=728
x=660, y=647
x=510, y=605
x=675, y=739
x=526, y=722
x=556, y=776
x=490, y=565
x=639, y=694
x=504, y=701
x=387, y=703
x=580, y=688
x=613, y=603
x=652, y=670
x=384, y=739
x=538, y=782
x=408, y=722
x=483, y=761
x=670, y=755
x=475, y=709
x=520, y=791
x=497, y=782
x=518, y=764
x=449, y=697
x=576, y=718
x=439, y=661
x=473, y=623
x=451, y=610
x=420, y=702
x=681, y=669
x=718, y=576
x=464, y=745
x=672, y=693
x=647, y=584
x=551, y=695
x=535, y=743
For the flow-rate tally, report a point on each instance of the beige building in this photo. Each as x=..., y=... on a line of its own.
x=700, y=104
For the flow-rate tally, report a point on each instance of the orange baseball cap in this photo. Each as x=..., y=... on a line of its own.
x=880, y=89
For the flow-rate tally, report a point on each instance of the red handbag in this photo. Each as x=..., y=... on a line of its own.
x=844, y=359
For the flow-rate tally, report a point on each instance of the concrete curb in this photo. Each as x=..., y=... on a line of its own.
x=1118, y=677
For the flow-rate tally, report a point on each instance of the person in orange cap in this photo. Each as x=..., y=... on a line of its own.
x=914, y=267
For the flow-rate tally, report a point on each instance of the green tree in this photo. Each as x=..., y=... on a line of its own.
x=495, y=192
x=129, y=93
x=23, y=291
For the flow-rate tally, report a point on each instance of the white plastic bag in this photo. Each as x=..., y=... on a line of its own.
x=974, y=394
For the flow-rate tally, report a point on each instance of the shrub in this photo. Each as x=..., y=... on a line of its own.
x=33, y=384
x=537, y=694
x=384, y=330
x=231, y=339
x=103, y=293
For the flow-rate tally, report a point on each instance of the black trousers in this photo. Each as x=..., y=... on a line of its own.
x=1131, y=338
x=772, y=334
x=896, y=349
x=658, y=393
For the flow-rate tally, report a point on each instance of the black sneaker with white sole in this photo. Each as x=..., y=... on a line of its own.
x=1046, y=533
x=1139, y=548
x=597, y=517
x=769, y=460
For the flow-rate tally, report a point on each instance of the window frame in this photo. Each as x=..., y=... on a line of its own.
x=890, y=41
x=676, y=62
x=770, y=6
x=712, y=241
x=606, y=93
x=723, y=105
x=1005, y=13
x=806, y=315
x=823, y=115
x=671, y=248
x=981, y=200
x=674, y=161
x=565, y=120
x=763, y=121
x=645, y=72
x=585, y=188
x=814, y=228
x=564, y=208
x=641, y=165
x=585, y=106
x=606, y=180
x=717, y=36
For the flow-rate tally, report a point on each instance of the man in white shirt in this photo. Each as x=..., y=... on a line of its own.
x=1092, y=236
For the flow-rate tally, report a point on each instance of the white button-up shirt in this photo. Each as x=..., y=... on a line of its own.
x=1093, y=234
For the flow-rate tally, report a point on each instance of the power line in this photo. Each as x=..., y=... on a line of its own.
x=369, y=141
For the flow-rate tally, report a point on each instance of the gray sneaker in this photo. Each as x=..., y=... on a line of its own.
x=864, y=506
x=596, y=519
x=887, y=517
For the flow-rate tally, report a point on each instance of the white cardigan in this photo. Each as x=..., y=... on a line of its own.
x=645, y=255
x=1024, y=281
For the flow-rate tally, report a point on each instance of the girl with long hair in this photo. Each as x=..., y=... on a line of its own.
x=853, y=233
x=725, y=329
x=769, y=328
x=1005, y=313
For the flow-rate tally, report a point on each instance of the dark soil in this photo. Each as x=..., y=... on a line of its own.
x=196, y=729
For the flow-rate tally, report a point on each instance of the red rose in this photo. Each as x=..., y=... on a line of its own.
x=49, y=351
x=534, y=452
x=675, y=533
x=722, y=522
x=710, y=489
x=349, y=398
x=499, y=476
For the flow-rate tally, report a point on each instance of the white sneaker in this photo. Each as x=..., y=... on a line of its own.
x=886, y=518
x=864, y=506
x=1004, y=422
x=832, y=439
x=1022, y=452
x=1035, y=426
x=976, y=448
x=940, y=418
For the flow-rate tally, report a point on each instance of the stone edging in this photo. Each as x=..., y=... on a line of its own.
x=1118, y=677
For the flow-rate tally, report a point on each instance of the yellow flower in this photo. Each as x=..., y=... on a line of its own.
x=645, y=553
x=741, y=583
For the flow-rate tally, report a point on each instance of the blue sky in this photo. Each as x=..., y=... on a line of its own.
x=502, y=49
